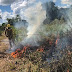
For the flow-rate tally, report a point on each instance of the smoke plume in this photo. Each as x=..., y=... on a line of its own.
x=35, y=16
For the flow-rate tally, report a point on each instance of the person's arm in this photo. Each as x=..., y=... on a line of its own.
x=6, y=32
x=11, y=35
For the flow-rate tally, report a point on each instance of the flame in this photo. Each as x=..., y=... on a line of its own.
x=68, y=70
x=57, y=40
x=40, y=49
x=69, y=52
x=19, y=53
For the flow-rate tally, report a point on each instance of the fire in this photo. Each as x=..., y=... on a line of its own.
x=69, y=53
x=57, y=40
x=40, y=50
x=19, y=52
x=68, y=70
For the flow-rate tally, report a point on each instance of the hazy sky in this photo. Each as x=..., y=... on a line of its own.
x=9, y=8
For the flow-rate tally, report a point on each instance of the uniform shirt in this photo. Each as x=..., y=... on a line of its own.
x=8, y=32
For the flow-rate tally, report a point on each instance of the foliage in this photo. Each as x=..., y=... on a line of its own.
x=11, y=66
x=19, y=34
x=54, y=28
x=53, y=12
x=2, y=27
x=63, y=65
x=14, y=20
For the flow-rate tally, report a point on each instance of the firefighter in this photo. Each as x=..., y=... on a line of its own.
x=9, y=34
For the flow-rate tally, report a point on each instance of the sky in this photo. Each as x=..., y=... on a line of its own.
x=9, y=8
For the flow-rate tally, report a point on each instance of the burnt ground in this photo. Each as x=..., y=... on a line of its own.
x=33, y=61
x=10, y=64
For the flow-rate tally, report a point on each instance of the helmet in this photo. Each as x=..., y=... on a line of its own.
x=8, y=25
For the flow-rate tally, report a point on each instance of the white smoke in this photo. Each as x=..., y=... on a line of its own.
x=69, y=17
x=35, y=16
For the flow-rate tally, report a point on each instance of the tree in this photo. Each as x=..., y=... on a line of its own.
x=10, y=21
x=3, y=24
x=51, y=12
x=0, y=17
x=17, y=18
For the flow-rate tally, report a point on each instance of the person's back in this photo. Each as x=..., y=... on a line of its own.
x=9, y=34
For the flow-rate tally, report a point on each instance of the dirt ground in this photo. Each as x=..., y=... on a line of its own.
x=10, y=64
x=3, y=47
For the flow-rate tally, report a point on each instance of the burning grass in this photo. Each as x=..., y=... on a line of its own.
x=19, y=53
x=38, y=56
x=47, y=46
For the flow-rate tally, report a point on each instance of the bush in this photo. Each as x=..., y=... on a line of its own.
x=11, y=66
x=0, y=33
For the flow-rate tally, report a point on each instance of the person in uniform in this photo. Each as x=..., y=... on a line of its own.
x=9, y=34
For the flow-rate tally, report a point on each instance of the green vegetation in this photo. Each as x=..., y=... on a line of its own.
x=11, y=66
x=54, y=28
x=18, y=33
x=2, y=28
x=36, y=61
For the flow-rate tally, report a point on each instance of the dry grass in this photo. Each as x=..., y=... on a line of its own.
x=32, y=64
